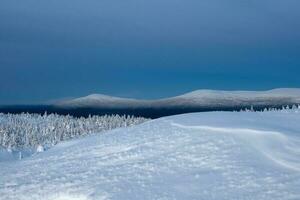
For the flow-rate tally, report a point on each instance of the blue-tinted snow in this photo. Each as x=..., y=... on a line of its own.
x=218, y=155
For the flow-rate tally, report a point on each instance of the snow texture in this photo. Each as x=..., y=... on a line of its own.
x=209, y=156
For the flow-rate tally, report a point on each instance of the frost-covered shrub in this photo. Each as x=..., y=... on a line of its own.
x=19, y=131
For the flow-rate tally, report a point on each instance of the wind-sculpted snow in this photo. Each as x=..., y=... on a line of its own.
x=220, y=155
x=274, y=145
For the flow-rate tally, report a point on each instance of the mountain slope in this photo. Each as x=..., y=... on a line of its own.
x=214, y=156
x=100, y=100
x=196, y=99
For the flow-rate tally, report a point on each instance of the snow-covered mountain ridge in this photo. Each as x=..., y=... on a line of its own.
x=213, y=156
x=198, y=98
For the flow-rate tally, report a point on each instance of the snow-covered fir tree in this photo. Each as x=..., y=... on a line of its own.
x=25, y=130
x=293, y=108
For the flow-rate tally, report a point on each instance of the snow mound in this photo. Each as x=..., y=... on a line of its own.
x=217, y=155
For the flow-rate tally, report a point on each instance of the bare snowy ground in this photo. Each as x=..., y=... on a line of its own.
x=218, y=155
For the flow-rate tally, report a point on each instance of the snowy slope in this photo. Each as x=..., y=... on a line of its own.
x=199, y=98
x=100, y=100
x=215, y=98
x=217, y=155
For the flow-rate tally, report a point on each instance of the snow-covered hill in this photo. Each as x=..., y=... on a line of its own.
x=99, y=101
x=196, y=99
x=217, y=155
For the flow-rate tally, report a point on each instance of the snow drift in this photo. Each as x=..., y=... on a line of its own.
x=218, y=155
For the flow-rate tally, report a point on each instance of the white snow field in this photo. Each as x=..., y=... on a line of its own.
x=217, y=155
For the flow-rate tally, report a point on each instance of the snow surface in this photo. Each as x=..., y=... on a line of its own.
x=198, y=98
x=217, y=155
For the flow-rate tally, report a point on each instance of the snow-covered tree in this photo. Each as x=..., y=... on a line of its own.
x=24, y=130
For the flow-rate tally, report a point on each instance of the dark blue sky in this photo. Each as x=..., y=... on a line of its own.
x=145, y=49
